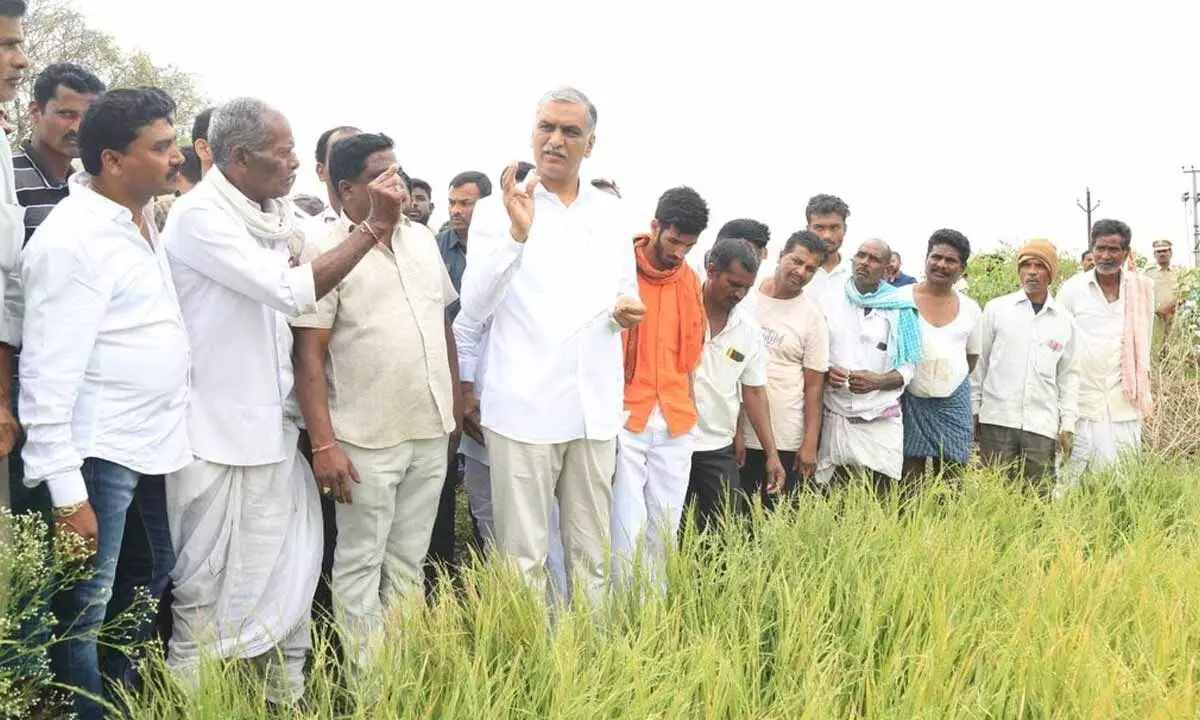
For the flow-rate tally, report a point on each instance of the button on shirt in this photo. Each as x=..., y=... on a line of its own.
x=555, y=367
x=387, y=366
x=735, y=357
x=858, y=340
x=1026, y=377
x=104, y=369
x=236, y=293
x=1099, y=328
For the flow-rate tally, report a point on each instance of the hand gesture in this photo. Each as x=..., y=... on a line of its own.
x=389, y=197
x=862, y=382
x=629, y=312
x=336, y=475
x=518, y=201
x=838, y=377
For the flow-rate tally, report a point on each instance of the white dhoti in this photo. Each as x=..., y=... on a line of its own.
x=1098, y=445
x=248, y=555
x=873, y=445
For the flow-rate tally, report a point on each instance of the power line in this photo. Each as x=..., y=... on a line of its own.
x=1194, y=199
x=1088, y=208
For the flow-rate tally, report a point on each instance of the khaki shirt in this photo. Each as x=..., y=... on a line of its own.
x=387, y=367
x=1165, y=284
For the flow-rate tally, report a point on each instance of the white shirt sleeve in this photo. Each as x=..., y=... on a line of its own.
x=12, y=237
x=1068, y=383
x=987, y=334
x=207, y=241
x=468, y=335
x=67, y=301
x=495, y=256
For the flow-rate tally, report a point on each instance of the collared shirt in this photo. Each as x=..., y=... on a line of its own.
x=38, y=190
x=387, y=366
x=858, y=340
x=104, y=369
x=902, y=279
x=555, y=370
x=236, y=293
x=796, y=338
x=735, y=357
x=1100, y=327
x=1166, y=284
x=825, y=283
x=12, y=237
x=454, y=255
x=1026, y=376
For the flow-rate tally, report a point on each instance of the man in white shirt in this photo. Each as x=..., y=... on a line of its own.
x=104, y=372
x=1113, y=309
x=377, y=388
x=245, y=520
x=12, y=228
x=796, y=342
x=939, y=428
x=1025, y=386
x=826, y=216
x=874, y=346
x=552, y=266
x=733, y=373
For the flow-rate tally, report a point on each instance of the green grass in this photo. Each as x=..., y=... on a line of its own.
x=982, y=602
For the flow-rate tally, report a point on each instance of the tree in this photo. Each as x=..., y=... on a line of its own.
x=56, y=32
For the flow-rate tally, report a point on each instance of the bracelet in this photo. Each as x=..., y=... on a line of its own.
x=69, y=510
x=323, y=448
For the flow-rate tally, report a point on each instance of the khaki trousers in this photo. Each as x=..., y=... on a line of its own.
x=383, y=535
x=525, y=481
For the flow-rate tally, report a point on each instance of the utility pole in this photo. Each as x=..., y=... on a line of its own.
x=1194, y=199
x=1088, y=208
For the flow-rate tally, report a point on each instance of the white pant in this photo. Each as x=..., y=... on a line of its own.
x=648, y=495
x=1098, y=445
x=383, y=535
x=477, y=478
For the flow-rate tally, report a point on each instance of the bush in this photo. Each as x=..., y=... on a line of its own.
x=992, y=275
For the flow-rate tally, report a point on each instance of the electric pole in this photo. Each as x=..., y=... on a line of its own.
x=1088, y=208
x=1194, y=199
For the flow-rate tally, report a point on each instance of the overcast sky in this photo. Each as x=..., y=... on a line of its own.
x=920, y=115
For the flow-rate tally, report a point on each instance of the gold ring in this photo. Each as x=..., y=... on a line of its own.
x=326, y=490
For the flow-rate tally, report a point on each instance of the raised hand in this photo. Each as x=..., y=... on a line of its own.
x=389, y=197
x=518, y=201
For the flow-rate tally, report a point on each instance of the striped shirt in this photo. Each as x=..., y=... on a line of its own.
x=38, y=190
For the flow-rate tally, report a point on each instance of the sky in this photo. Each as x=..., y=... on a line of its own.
x=990, y=118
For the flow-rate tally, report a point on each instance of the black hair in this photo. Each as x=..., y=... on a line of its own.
x=954, y=239
x=1084, y=254
x=523, y=170
x=191, y=165
x=808, y=240
x=415, y=184
x=323, y=142
x=683, y=209
x=1104, y=228
x=68, y=75
x=12, y=8
x=726, y=251
x=606, y=184
x=349, y=157
x=200, y=125
x=747, y=229
x=115, y=119
x=478, y=179
x=824, y=205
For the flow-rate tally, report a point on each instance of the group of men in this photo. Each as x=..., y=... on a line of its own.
x=169, y=369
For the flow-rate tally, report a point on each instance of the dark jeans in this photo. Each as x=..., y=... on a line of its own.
x=1024, y=455
x=714, y=482
x=323, y=599
x=134, y=550
x=441, y=540
x=754, y=476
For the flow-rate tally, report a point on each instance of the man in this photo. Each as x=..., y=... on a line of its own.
x=105, y=372
x=874, y=346
x=1113, y=310
x=826, y=216
x=749, y=230
x=608, y=186
x=654, y=448
x=377, y=387
x=12, y=223
x=895, y=277
x=796, y=339
x=1166, y=288
x=1087, y=261
x=200, y=140
x=1026, y=385
x=190, y=173
x=420, y=208
x=325, y=143
x=552, y=406
x=938, y=422
x=466, y=190
x=62, y=94
x=733, y=360
x=248, y=503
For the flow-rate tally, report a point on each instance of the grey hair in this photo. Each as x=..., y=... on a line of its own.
x=239, y=123
x=574, y=97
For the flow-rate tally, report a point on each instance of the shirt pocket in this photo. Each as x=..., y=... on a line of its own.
x=1046, y=354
